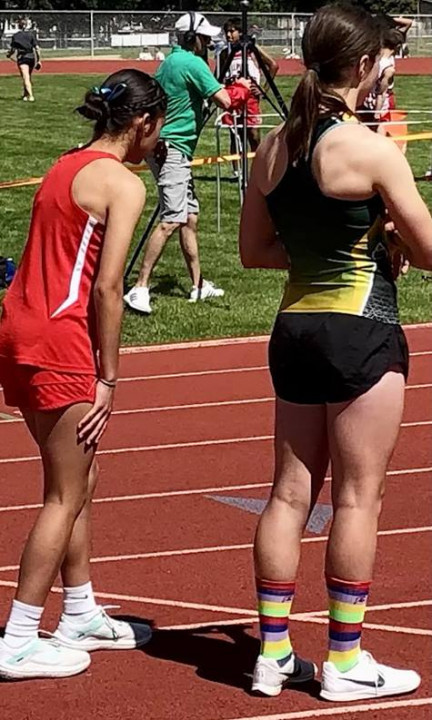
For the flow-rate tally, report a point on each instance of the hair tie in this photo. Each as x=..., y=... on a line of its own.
x=110, y=94
x=315, y=67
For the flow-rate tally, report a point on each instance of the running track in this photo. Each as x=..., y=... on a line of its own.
x=192, y=423
x=63, y=66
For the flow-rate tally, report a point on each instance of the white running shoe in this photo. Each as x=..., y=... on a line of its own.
x=269, y=678
x=102, y=633
x=206, y=291
x=41, y=658
x=138, y=298
x=367, y=679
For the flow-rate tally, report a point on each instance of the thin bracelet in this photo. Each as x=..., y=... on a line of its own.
x=109, y=383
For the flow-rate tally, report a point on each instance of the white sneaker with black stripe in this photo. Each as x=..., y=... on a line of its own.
x=269, y=678
x=367, y=679
x=101, y=632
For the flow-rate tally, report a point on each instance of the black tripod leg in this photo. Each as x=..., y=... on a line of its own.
x=271, y=83
x=141, y=243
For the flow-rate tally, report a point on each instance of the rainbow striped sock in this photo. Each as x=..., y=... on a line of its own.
x=274, y=607
x=347, y=607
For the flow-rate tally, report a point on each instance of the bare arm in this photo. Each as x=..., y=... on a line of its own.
x=269, y=62
x=260, y=246
x=123, y=212
x=404, y=24
x=222, y=99
x=394, y=181
x=125, y=204
x=382, y=89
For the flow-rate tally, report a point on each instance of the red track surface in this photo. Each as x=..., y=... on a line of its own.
x=168, y=552
x=409, y=66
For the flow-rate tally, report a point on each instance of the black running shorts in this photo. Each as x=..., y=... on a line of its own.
x=318, y=358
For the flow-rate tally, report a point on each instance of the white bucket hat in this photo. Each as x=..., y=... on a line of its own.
x=196, y=22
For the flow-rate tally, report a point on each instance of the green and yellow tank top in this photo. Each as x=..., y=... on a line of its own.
x=339, y=257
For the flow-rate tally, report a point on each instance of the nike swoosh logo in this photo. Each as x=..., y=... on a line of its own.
x=367, y=683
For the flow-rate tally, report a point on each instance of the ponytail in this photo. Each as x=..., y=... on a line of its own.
x=335, y=39
x=303, y=116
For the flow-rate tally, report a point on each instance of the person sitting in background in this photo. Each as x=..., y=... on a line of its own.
x=24, y=46
x=187, y=81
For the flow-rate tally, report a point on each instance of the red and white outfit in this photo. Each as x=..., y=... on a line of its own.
x=389, y=98
x=48, y=336
x=253, y=103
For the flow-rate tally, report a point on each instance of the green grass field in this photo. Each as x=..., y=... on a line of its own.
x=34, y=135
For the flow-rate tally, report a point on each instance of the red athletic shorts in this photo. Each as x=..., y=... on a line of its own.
x=33, y=388
x=254, y=109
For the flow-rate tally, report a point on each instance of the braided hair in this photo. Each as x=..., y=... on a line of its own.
x=123, y=96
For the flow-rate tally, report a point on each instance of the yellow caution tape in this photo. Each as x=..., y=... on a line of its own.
x=196, y=162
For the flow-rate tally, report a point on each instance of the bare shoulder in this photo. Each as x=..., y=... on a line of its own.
x=122, y=182
x=356, y=145
x=271, y=159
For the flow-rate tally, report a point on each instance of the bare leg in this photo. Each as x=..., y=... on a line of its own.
x=189, y=246
x=362, y=436
x=254, y=138
x=153, y=251
x=66, y=470
x=26, y=79
x=75, y=569
x=300, y=465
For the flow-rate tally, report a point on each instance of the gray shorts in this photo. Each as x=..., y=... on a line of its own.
x=176, y=189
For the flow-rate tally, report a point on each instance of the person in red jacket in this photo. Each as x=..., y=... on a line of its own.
x=59, y=347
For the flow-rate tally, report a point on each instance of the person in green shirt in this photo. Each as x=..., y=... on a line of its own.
x=188, y=82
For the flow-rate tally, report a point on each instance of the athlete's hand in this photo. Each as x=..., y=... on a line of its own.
x=38, y=65
x=399, y=254
x=93, y=425
x=245, y=81
x=255, y=90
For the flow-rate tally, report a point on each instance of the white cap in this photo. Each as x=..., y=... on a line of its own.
x=200, y=25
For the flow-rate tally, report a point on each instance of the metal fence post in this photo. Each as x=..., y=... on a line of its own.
x=92, y=43
x=292, y=34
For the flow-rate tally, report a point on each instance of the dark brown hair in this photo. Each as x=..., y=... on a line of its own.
x=124, y=95
x=335, y=39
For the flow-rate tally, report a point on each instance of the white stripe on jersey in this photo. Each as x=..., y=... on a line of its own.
x=78, y=267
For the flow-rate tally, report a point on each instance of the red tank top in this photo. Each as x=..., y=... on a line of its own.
x=48, y=315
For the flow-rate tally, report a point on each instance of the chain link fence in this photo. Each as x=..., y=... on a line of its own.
x=127, y=34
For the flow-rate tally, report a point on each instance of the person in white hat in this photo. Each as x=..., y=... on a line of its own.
x=187, y=81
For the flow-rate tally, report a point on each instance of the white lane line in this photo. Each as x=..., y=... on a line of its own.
x=168, y=408
x=373, y=626
x=342, y=710
x=165, y=446
x=197, y=373
x=252, y=615
x=200, y=406
x=147, y=448
x=194, y=491
x=153, y=601
x=223, y=548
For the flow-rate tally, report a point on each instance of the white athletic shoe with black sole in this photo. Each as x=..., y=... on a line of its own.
x=102, y=632
x=41, y=658
x=269, y=678
x=207, y=291
x=138, y=298
x=366, y=680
